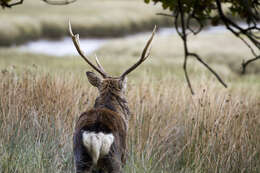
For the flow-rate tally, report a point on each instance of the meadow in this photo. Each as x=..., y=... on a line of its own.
x=215, y=130
x=41, y=96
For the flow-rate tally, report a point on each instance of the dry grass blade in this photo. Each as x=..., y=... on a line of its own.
x=169, y=131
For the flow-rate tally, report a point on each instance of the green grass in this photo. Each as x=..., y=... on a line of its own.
x=102, y=18
x=216, y=130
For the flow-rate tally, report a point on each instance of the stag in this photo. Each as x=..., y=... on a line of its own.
x=99, y=140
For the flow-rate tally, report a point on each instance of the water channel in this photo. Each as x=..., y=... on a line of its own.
x=65, y=46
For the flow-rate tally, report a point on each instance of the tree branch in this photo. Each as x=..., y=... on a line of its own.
x=5, y=4
x=193, y=16
x=248, y=32
x=188, y=54
x=183, y=35
x=209, y=68
x=51, y=2
x=245, y=63
x=56, y=2
x=164, y=14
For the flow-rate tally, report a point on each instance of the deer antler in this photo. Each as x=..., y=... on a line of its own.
x=75, y=39
x=143, y=57
x=99, y=65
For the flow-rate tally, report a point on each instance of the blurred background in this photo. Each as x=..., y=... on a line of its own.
x=110, y=28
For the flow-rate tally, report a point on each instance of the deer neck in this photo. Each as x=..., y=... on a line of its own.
x=114, y=102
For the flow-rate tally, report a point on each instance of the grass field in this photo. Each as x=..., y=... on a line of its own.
x=103, y=18
x=216, y=130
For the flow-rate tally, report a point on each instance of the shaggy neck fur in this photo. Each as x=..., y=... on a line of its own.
x=114, y=102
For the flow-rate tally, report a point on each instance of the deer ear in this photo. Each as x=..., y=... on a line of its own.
x=93, y=79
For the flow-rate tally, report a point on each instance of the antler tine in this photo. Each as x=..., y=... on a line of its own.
x=144, y=55
x=99, y=65
x=75, y=39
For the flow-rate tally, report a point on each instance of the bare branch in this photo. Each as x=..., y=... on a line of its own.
x=164, y=14
x=245, y=63
x=177, y=24
x=209, y=68
x=183, y=35
x=248, y=45
x=193, y=17
x=187, y=54
x=57, y=2
x=51, y=2
x=186, y=74
x=237, y=31
x=5, y=4
x=229, y=24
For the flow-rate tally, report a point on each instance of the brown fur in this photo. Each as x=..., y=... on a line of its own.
x=112, y=97
x=109, y=115
x=112, y=120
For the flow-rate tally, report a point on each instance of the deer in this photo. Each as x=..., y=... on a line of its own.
x=100, y=134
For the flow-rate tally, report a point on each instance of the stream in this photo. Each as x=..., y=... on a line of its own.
x=65, y=46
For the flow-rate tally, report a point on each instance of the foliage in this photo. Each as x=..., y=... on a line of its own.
x=188, y=12
x=245, y=9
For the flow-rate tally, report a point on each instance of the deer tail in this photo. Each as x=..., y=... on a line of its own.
x=97, y=144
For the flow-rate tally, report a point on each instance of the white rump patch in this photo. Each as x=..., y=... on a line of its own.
x=97, y=144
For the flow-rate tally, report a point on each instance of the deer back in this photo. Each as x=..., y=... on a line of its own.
x=106, y=121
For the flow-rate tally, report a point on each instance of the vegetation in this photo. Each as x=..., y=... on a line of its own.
x=215, y=130
x=194, y=12
x=204, y=10
x=170, y=130
x=89, y=18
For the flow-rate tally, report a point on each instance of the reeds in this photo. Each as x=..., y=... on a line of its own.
x=216, y=130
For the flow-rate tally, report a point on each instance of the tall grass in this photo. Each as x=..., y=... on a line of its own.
x=216, y=130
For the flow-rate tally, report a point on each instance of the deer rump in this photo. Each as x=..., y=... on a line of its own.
x=99, y=139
